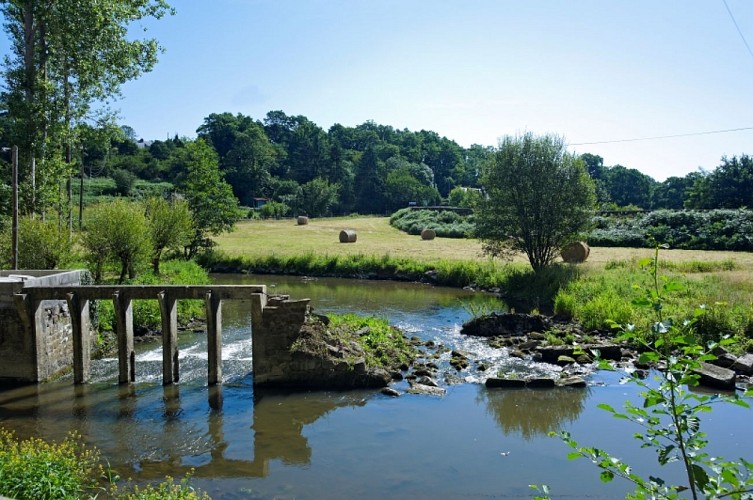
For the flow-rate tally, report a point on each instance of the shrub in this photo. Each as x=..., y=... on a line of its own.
x=41, y=245
x=446, y=223
x=35, y=469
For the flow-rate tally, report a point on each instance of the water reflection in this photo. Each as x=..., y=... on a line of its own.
x=275, y=434
x=534, y=412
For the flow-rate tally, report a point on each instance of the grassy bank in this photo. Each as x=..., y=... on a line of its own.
x=591, y=293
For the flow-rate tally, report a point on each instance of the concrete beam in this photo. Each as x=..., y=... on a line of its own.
x=168, y=306
x=214, y=338
x=79, y=310
x=124, y=332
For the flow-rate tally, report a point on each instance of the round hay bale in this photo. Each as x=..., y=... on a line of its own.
x=302, y=220
x=348, y=236
x=575, y=253
x=428, y=234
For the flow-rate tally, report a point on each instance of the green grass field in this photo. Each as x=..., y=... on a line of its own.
x=593, y=293
x=261, y=238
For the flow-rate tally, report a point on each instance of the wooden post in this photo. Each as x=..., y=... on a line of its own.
x=14, y=237
x=214, y=337
x=169, y=312
x=79, y=310
x=124, y=331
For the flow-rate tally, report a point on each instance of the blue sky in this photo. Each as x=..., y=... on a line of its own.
x=589, y=70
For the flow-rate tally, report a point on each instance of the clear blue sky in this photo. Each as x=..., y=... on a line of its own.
x=589, y=70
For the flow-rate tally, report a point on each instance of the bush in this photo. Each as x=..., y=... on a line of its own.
x=35, y=469
x=124, y=181
x=446, y=223
x=41, y=245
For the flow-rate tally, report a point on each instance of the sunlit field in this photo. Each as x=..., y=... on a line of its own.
x=259, y=238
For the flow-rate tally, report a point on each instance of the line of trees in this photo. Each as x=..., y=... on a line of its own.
x=371, y=168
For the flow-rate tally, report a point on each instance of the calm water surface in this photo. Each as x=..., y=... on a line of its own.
x=471, y=443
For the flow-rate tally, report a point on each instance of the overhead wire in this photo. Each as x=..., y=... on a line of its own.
x=737, y=27
x=690, y=134
x=657, y=137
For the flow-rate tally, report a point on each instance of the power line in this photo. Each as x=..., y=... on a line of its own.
x=739, y=32
x=657, y=137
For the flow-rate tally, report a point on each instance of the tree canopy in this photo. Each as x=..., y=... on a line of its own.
x=539, y=197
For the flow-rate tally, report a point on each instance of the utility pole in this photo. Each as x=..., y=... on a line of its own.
x=14, y=238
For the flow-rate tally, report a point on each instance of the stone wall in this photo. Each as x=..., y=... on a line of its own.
x=279, y=326
x=39, y=351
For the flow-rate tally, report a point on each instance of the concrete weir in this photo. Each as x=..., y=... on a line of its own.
x=45, y=325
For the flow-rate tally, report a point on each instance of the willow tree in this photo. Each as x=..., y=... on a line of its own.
x=66, y=56
x=538, y=198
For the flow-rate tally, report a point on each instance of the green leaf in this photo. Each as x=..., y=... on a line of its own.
x=699, y=476
x=606, y=476
x=606, y=407
x=573, y=455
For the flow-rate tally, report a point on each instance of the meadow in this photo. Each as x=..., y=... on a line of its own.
x=594, y=293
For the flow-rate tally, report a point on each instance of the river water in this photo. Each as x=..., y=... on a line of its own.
x=471, y=443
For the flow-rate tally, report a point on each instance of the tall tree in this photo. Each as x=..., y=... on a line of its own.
x=730, y=185
x=65, y=56
x=539, y=198
x=210, y=198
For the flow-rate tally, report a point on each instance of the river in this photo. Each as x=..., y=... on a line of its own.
x=471, y=443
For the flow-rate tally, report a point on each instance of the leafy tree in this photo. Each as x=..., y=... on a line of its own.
x=628, y=186
x=464, y=197
x=316, y=198
x=730, y=185
x=117, y=232
x=210, y=198
x=370, y=191
x=402, y=187
x=673, y=192
x=170, y=225
x=539, y=198
x=65, y=56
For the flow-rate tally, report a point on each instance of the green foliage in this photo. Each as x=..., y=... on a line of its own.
x=41, y=245
x=165, y=490
x=539, y=198
x=124, y=181
x=146, y=314
x=670, y=417
x=464, y=197
x=116, y=232
x=273, y=210
x=210, y=198
x=446, y=223
x=170, y=226
x=385, y=345
x=38, y=470
x=684, y=229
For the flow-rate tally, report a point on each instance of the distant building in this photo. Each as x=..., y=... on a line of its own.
x=260, y=202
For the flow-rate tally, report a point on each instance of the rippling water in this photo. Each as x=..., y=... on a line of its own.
x=471, y=443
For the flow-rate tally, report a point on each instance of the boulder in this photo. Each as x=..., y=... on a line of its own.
x=506, y=324
x=743, y=364
x=416, y=388
x=571, y=382
x=540, y=383
x=505, y=383
x=715, y=376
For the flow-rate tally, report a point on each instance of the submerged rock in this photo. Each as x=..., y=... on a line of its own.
x=506, y=324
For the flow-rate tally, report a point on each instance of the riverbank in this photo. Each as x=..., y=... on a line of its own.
x=594, y=294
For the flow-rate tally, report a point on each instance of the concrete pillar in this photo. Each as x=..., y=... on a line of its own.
x=168, y=307
x=123, y=307
x=79, y=310
x=214, y=337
